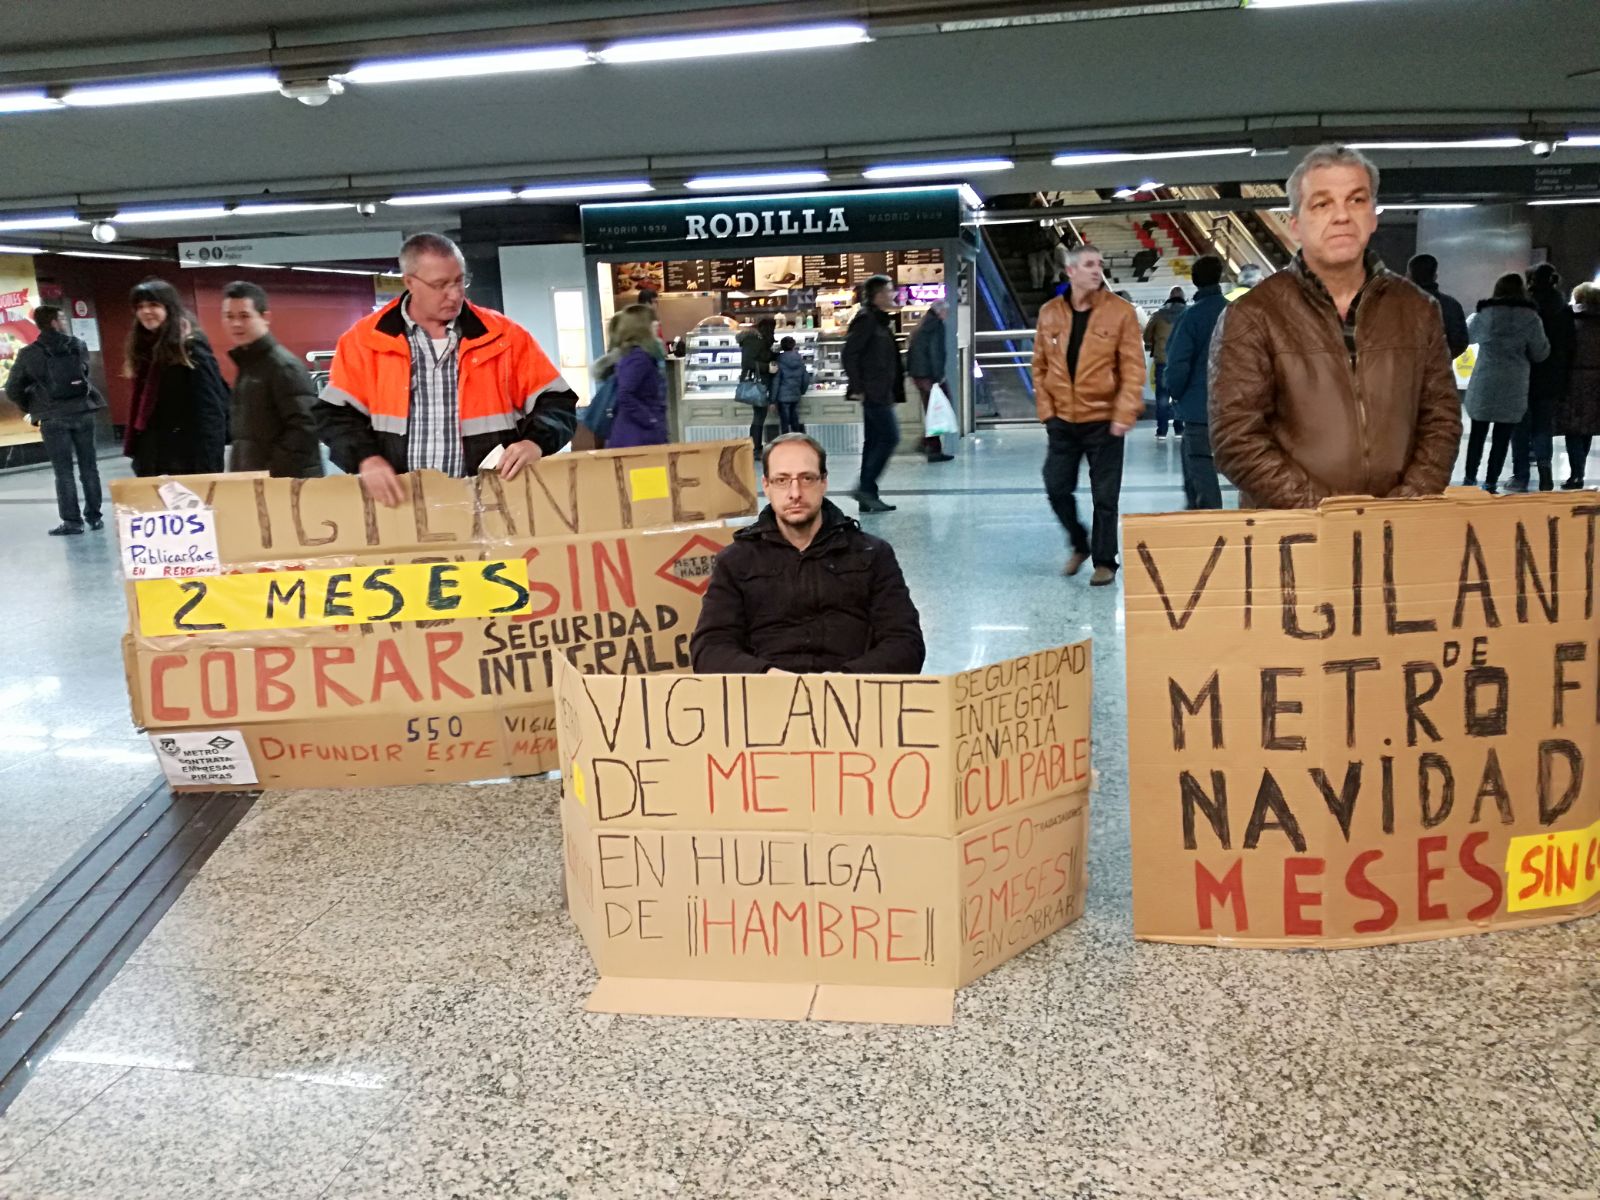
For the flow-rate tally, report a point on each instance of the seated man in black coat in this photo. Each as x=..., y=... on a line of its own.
x=803, y=590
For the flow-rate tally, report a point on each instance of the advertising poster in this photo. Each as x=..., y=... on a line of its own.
x=19, y=294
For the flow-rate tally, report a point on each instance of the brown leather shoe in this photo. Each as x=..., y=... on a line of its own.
x=1102, y=576
x=1074, y=564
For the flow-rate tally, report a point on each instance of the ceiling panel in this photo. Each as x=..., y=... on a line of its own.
x=1136, y=75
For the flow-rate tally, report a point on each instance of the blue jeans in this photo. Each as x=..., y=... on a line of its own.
x=880, y=435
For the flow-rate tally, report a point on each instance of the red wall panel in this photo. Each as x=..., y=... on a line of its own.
x=309, y=311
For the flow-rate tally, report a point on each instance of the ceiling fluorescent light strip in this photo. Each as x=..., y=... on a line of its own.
x=1579, y=139
x=938, y=170
x=153, y=216
x=1565, y=200
x=41, y=221
x=9, y=249
x=1090, y=158
x=466, y=66
x=1292, y=3
x=286, y=208
x=24, y=102
x=557, y=191
x=209, y=87
x=104, y=254
x=1489, y=143
x=481, y=197
x=763, y=41
x=759, y=179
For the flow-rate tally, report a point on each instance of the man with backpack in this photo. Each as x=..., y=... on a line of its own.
x=50, y=383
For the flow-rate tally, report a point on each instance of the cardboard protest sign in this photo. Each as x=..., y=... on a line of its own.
x=1375, y=722
x=353, y=644
x=790, y=846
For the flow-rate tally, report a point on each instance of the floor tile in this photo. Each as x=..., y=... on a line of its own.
x=1472, y=999
x=1483, y=1112
x=183, y=1135
x=54, y=1093
x=468, y=1148
x=240, y=1022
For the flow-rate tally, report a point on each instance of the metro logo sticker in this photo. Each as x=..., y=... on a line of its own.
x=690, y=567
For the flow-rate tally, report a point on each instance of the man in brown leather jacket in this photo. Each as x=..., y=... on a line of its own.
x=1088, y=379
x=1332, y=377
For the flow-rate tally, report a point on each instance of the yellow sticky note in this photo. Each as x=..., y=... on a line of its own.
x=578, y=788
x=1550, y=870
x=649, y=483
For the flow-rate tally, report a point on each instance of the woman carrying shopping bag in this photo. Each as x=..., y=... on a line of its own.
x=925, y=363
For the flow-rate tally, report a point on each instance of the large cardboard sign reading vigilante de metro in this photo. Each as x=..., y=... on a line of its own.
x=341, y=643
x=830, y=846
x=1375, y=722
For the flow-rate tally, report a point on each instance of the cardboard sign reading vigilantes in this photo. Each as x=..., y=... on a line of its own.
x=1375, y=722
x=829, y=846
x=352, y=644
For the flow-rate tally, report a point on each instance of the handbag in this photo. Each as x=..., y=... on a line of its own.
x=597, y=418
x=753, y=392
x=941, y=417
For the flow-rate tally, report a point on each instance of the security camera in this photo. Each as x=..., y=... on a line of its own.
x=367, y=209
x=1542, y=149
x=103, y=231
x=313, y=93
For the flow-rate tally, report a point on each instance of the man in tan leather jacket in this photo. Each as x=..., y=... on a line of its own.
x=1332, y=377
x=1088, y=379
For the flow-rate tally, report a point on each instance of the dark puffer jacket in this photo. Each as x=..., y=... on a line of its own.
x=273, y=429
x=841, y=605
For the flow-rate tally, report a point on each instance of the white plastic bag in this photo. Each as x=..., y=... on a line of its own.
x=941, y=414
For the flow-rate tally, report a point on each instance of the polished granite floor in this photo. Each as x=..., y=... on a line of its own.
x=375, y=993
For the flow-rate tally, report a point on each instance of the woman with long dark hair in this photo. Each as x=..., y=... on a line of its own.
x=178, y=422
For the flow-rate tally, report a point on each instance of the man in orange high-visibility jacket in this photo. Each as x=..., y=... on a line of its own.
x=430, y=381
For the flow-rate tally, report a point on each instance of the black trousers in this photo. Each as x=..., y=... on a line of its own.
x=1201, y=487
x=1071, y=443
x=880, y=434
x=1497, y=449
x=1578, y=453
x=66, y=438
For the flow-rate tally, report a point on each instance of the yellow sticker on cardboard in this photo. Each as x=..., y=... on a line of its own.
x=341, y=596
x=1553, y=870
x=649, y=483
x=579, y=789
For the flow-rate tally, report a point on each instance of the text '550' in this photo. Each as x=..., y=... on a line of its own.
x=347, y=596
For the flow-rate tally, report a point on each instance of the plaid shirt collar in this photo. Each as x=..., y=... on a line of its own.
x=434, y=424
x=1375, y=268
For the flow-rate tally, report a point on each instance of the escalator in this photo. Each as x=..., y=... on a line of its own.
x=1002, y=376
